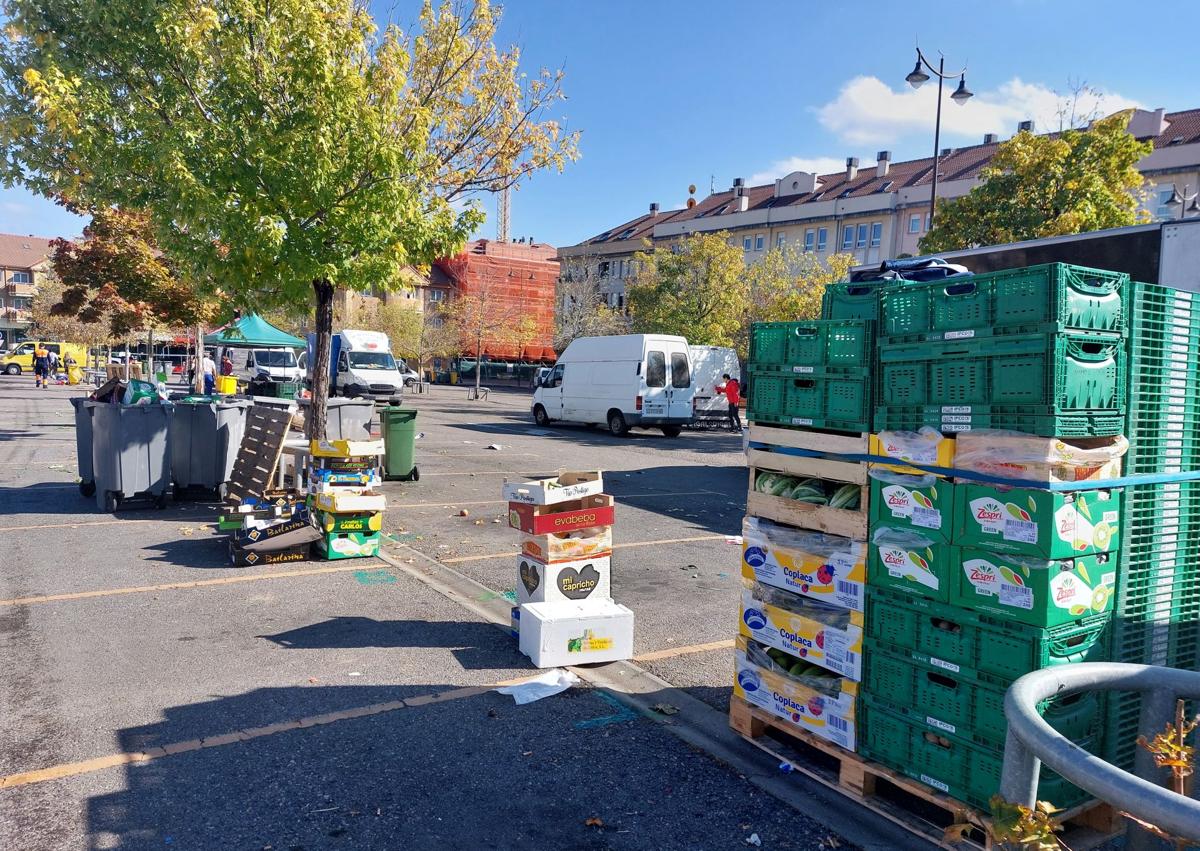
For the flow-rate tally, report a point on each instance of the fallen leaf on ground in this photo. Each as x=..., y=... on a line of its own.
x=665, y=709
x=593, y=822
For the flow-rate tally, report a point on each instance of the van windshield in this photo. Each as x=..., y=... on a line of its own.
x=280, y=359
x=372, y=360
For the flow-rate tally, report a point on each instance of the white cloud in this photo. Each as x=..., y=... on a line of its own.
x=868, y=111
x=15, y=207
x=816, y=165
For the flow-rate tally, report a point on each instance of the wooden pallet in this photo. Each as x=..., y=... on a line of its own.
x=824, y=442
x=847, y=522
x=918, y=808
x=254, y=468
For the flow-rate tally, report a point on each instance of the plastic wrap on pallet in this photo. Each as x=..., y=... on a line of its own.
x=1011, y=454
x=832, y=616
x=820, y=679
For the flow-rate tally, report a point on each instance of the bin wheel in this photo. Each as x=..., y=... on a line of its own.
x=222, y=491
x=111, y=502
x=160, y=501
x=176, y=490
x=415, y=475
x=87, y=488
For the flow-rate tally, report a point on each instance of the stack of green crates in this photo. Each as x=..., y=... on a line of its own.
x=1158, y=595
x=1039, y=350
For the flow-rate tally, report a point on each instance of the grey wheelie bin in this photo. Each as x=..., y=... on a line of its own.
x=83, y=444
x=205, y=437
x=346, y=419
x=131, y=453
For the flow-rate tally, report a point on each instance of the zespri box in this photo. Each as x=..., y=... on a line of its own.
x=825, y=712
x=1045, y=524
x=562, y=517
x=824, y=567
x=923, y=503
x=553, y=491
x=812, y=631
x=575, y=633
x=1040, y=593
x=909, y=561
x=568, y=581
x=568, y=546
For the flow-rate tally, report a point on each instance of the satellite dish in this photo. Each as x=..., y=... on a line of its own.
x=691, y=189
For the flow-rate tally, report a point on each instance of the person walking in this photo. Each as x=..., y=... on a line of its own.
x=733, y=393
x=41, y=367
x=209, y=368
x=226, y=364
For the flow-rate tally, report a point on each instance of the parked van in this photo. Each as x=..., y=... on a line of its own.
x=364, y=366
x=279, y=365
x=709, y=364
x=624, y=381
x=20, y=359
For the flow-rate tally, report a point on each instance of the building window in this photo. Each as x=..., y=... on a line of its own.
x=620, y=300
x=437, y=295
x=759, y=240
x=781, y=240
x=914, y=223
x=27, y=277
x=810, y=240
x=862, y=236
x=822, y=238
x=1165, y=191
x=876, y=234
x=746, y=243
x=604, y=269
x=927, y=222
x=848, y=238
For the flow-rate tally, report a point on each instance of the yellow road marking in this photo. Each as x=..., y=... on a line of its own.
x=460, y=559
x=684, y=651
x=174, y=586
x=123, y=521
x=496, y=501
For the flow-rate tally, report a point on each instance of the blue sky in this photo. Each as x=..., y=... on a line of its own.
x=675, y=92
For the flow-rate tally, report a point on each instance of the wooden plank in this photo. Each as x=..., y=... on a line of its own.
x=849, y=523
x=875, y=786
x=258, y=456
x=831, y=443
x=854, y=472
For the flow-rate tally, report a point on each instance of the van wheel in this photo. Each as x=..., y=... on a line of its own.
x=672, y=431
x=12, y=369
x=617, y=424
x=540, y=416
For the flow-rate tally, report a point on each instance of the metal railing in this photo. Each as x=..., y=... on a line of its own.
x=1031, y=741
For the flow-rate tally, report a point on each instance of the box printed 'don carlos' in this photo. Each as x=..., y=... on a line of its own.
x=585, y=579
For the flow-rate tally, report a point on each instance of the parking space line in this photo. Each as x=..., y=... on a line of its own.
x=123, y=520
x=664, y=541
x=618, y=497
x=672, y=652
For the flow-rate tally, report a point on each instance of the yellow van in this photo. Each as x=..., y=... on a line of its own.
x=20, y=359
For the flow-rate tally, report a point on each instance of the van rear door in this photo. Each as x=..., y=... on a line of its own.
x=656, y=397
x=681, y=390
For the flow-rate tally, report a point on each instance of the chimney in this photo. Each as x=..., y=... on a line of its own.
x=851, y=168
x=946, y=152
x=883, y=161
x=654, y=209
x=1145, y=123
x=990, y=138
x=740, y=202
x=1026, y=126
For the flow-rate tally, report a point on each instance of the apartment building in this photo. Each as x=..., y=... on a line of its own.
x=874, y=212
x=23, y=260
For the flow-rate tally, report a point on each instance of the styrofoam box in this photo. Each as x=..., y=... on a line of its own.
x=565, y=581
x=554, y=634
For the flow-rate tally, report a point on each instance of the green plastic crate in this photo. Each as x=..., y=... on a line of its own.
x=925, y=506
x=1066, y=373
x=816, y=346
x=852, y=301
x=996, y=649
x=958, y=704
x=820, y=400
x=963, y=770
x=910, y=561
x=1043, y=421
x=1053, y=297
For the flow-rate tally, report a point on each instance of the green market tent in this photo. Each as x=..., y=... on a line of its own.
x=253, y=332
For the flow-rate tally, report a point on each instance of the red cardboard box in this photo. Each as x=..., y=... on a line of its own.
x=568, y=516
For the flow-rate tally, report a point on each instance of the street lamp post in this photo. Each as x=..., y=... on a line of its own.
x=1180, y=200
x=961, y=95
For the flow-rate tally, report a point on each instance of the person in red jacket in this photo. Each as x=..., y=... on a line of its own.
x=733, y=392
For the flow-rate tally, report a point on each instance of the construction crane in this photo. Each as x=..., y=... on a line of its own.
x=502, y=207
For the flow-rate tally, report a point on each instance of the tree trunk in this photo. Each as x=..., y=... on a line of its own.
x=314, y=422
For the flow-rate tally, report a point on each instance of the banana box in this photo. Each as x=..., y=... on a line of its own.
x=346, y=448
x=365, y=522
x=317, y=486
x=825, y=567
x=833, y=642
x=925, y=447
x=1037, y=523
x=826, y=711
x=568, y=546
x=343, y=501
x=248, y=558
x=338, y=545
x=354, y=478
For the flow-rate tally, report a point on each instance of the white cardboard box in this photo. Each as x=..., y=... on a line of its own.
x=553, y=491
x=564, y=581
x=555, y=634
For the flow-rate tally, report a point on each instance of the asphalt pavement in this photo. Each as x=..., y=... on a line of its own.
x=152, y=696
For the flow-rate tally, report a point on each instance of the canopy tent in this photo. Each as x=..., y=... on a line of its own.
x=253, y=332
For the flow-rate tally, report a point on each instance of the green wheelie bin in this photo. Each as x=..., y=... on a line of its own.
x=399, y=437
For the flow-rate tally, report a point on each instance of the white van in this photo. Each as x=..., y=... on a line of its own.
x=364, y=366
x=709, y=364
x=625, y=381
x=278, y=365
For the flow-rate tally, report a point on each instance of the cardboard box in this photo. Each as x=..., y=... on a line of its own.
x=1041, y=459
x=928, y=448
x=824, y=567
x=338, y=545
x=568, y=546
x=345, y=448
x=836, y=646
x=554, y=491
x=1036, y=592
x=825, y=712
x=248, y=558
x=586, y=579
x=285, y=534
x=576, y=633
x=907, y=502
x=342, y=501
x=906, y=560
x=563, y=517
x=365, y=522
x=355, y=478
x=318, y=487
x=1038, y=523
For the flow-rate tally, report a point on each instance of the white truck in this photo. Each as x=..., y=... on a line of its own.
x=709, y=366
x=623, y=381
x=363, y=365
x=278, y=365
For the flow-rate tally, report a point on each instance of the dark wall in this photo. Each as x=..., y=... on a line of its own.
x=1135, y=253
